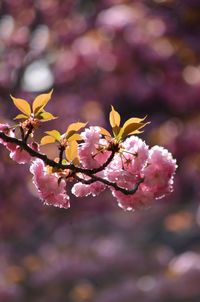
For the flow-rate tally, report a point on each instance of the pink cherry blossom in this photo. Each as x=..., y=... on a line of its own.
x=136, y=161
x=160, y=171
x=91, y=152
x=16, y=152
x=19, y=155
x=4, y=127
x=128, y=164
x=143, y=198
x=135, y=153
x=81, y=190
x=7, y=130
x=50, y=189
x=87, y=150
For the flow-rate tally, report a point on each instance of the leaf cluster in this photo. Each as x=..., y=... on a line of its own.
x=68, y=141
x=36, y=110
x=131, y=127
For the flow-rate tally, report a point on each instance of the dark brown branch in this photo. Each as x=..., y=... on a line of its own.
x=95, y=178
x=61, y=149
x=107, y=162
x=74, y=169
x=32, y=152
x=22, y=132
x=50, y=162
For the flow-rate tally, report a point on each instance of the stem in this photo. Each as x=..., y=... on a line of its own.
x=62, y=149
x=27, y=135
x=22, y=133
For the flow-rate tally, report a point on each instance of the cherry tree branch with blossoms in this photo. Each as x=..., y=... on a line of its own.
x=91, y=158
x=71, y=167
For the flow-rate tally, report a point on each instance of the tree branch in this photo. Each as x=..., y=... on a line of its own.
x=74, y=169
x=95, y=178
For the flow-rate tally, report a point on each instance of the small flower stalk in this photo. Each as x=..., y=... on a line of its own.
x=90, y=158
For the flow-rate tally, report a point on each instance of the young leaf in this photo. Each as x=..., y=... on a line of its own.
x=104, y=132
x=136, y=132
x=75, y=137
x=21, y=116
x=22, y=105
x=133, y=120
x=47, y=140
x=46, y=116
x=131, y=129
x=131, y=126
x=116, y=131
x=40, y=102
x=74, y=127
x=76, y=161
x=71, y=152
x=114, y=118
x=55, y=134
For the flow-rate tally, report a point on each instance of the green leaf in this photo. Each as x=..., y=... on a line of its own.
x=22, y=105
x=55, y=134
x=40, y=102
x=74, y=127
x=114, y=118
x=21, y=116
x=46, y=116
x=47, y=140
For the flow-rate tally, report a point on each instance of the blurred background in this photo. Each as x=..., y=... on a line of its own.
x=143, y=57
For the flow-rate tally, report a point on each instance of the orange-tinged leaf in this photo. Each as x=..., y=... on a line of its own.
x=41, y=101
x=46, y=116
x=76, y=161
x=71, y=152
x=136, y=132
x=55, y=134
x=21, y=116
x=74, y=127
x=49, y=169
x=116, y=131
x=133, y=120
x=22, y=105
x=47, y=140
x=130, y=129
x=75, y=137
x=104, y=132
x=114, y=118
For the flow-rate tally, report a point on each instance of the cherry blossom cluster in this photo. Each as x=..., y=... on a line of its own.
x=90, y=159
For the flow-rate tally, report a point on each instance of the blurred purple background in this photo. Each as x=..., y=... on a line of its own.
x=143, y=57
